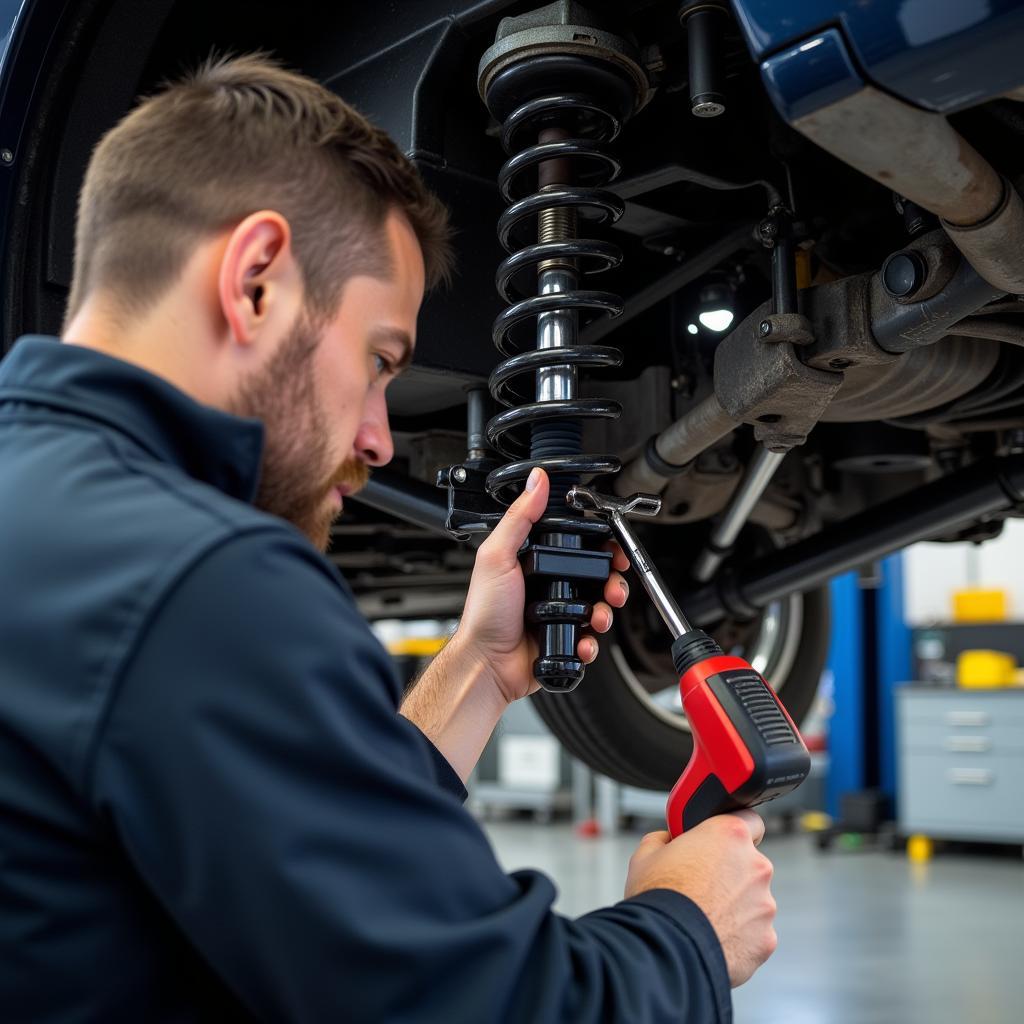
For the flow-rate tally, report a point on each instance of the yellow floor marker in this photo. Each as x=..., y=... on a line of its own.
x=920, y=849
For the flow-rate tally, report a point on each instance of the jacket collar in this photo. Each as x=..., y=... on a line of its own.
x=215, y=447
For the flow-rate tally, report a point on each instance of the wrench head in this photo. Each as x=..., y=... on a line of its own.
x=641, y=505
x=583, y=499
x=586, y=500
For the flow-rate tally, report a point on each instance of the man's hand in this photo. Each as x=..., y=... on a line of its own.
x=489, y=662
x=717, y=866
x=491, y=631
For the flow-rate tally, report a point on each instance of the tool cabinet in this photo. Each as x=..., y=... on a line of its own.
x=960, y=763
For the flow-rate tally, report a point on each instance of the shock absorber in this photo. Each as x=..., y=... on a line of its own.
x=560, y=88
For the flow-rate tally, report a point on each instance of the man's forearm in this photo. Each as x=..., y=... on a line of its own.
x=456, y=706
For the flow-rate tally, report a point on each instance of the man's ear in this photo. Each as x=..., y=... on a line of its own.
x=259, y=284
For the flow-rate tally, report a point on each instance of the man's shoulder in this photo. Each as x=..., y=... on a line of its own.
x=187, y=503
x=99, y=541
x=190, y=522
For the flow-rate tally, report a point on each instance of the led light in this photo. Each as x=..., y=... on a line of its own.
x=692, y=328
x=716, y=319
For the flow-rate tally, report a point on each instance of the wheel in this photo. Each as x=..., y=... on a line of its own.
x=625, y=719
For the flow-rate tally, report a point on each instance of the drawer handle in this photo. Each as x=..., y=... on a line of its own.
x=968, y=744
x=970, y=776
x=968, y=717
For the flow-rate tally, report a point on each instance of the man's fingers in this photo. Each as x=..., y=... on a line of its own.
x=620, y=561
x=616, y=590
x=587, y=649
x=754, y=822
x=601, y=618
x=508, y=536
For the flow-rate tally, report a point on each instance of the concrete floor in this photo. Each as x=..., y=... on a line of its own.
x=864, y=938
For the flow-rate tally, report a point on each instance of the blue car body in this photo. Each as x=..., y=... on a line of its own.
x=943, y=55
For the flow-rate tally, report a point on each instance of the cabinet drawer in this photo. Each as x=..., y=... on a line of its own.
x=969, y=723
x=929, y=737
x=962, y=795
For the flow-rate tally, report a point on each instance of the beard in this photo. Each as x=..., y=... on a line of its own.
x=298, y=472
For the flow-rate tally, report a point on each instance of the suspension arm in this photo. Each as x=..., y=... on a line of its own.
x=986, y=488
x=406, y=498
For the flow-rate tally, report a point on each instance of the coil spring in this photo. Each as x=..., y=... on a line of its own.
x=548, y=433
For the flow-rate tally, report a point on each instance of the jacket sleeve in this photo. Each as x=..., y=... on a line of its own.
x=447, y=777
x=262, y=784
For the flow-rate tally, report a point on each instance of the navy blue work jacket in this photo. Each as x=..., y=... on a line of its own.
x=209, y=807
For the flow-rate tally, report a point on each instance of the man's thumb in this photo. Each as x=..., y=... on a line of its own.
x=515, y=525
x=654, y=840
x=650, y=843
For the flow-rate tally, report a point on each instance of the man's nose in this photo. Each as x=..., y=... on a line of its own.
x=373, y=441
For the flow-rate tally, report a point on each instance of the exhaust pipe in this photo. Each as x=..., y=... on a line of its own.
x=921, y=156
x=673, y=450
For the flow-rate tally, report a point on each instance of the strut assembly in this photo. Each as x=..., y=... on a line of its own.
x=561, y=89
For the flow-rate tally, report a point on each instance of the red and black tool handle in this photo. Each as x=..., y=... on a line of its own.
x=746, y=748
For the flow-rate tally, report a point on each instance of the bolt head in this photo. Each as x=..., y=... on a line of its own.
x=6, y=156
x=840, y=364
x=459, y=474
x=765, y=329
x=707, y=108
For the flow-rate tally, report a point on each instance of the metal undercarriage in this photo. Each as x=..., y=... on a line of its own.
x=862, y=215
x=868, y=391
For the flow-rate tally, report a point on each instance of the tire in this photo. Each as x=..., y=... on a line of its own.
x=612, y=724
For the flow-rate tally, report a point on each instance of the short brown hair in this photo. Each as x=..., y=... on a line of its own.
x=239, y=135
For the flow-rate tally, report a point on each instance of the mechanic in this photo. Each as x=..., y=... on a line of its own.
x=210, y=808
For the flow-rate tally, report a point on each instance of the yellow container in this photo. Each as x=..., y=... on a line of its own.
x=984, y=669
x=977, y=605
x=417, y=646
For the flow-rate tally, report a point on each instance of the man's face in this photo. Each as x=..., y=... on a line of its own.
x=321, y=395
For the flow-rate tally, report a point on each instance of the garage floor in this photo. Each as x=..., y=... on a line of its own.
x=864, y=938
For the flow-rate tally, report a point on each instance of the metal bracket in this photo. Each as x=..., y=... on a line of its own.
x=792, y=327
x=759, y=379
x=471, y=510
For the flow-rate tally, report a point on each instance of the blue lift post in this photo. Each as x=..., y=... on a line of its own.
x=895, y=667
x=862, y=730
x=846, y=665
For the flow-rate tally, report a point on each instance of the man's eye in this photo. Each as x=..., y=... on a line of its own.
x=382, y=365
